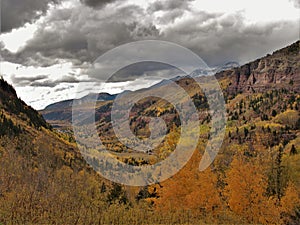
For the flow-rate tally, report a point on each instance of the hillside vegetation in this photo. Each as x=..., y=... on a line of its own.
x=255, y=178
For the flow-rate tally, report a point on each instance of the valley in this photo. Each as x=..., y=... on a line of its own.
x=254, y=179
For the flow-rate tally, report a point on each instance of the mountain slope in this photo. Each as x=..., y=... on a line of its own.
x=10, y=103
x=41, y=171
x=256, y=171
x=279, y=70
x=44, y=179
x=253, y=180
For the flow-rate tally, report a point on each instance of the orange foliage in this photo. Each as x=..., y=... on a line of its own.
x=290, y=200
x=190, y=189
x=246, y=192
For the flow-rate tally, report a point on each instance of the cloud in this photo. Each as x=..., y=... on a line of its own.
x=65, y=36
x=96, y=3
x=27, y=58
x=46, y=83
x=78, y=31
x=16, y=13
x=80, y=34
x=45, y=80
x=68, y=79
x=24, y=80
x=60, y=89
x=172, y=10
x=296, y=3
x=220, y=38
x=171, y=16
x=153, y=70
x=168, y=5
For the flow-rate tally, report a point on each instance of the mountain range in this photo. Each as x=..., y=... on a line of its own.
x=278, y=70
x=254, y=179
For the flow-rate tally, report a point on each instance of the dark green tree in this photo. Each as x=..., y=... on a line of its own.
x=293, y=150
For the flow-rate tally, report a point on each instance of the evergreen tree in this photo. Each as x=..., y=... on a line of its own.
x=293, y=150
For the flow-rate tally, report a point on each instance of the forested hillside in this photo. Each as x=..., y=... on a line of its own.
x=253, y=180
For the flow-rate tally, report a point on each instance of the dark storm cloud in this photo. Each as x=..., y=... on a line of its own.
x=45, y=80
x=46, y=83
x=23, y=80
x=220, y=38
x=68, y=79
x=144, y=69
x=81, y=34
x=96, y=3
x=82, y=38
x=27, y=58
x=16, y=13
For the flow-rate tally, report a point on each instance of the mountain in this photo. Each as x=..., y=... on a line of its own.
x=260, y=151
x=108, y=97
x=85, y=99
x=214, y=70
x=42, y=173
x=13, y=105
x=279, y=70
x=45, y=180
x=253, y=180
x=61, y=111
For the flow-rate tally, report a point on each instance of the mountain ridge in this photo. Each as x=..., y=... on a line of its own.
x=277, y=71
x=87, y=98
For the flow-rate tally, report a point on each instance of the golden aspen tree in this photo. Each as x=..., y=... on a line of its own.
x=245, y=190
x=191, y=189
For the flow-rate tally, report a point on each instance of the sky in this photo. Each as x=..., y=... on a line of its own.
x=47, y=47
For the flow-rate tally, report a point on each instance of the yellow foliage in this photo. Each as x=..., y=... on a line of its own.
x=190, y=189
x=246, y=186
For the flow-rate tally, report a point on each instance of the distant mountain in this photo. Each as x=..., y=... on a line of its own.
x=214, y=70
x=85, y=99
x=108, y=97
x=62, y=111
x=61, y=104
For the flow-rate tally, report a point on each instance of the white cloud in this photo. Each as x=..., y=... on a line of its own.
x=254, y=11
x=16, y=39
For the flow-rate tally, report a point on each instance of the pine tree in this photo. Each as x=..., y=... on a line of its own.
x=293, y=150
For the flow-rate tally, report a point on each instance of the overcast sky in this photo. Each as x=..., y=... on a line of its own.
x=47, y=46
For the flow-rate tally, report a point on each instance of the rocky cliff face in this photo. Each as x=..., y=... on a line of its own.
x=279, y=70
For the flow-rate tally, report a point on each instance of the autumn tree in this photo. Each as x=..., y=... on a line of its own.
x=245, y=190
x=191, y=189
x=290, y=205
